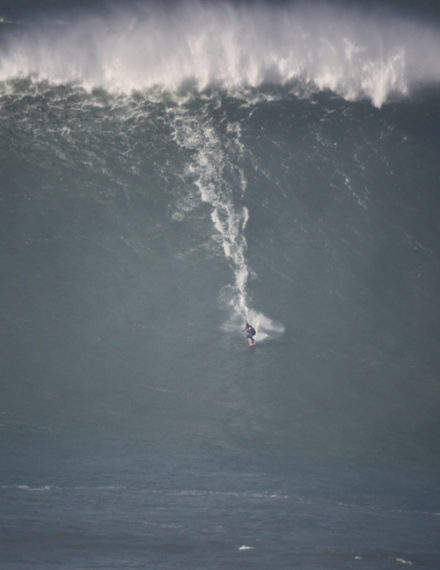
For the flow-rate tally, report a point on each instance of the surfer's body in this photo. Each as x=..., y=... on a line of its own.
x=249, y=329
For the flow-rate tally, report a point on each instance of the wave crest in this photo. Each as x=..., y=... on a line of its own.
x=351, y=53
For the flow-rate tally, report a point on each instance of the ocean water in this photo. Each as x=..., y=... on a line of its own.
x=168, y=172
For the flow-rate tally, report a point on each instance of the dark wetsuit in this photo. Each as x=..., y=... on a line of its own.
x=250, y=333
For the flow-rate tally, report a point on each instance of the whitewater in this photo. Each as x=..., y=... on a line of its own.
x=354, y=53
x=169, y=172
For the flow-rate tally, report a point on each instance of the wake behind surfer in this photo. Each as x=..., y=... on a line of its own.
x=249, y=329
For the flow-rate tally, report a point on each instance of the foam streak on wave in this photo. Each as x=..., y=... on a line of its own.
x=354, y=54
x=207, y=170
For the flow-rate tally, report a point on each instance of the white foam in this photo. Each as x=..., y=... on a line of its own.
x=265, y=327
x=245, y=547
x=207, y=169
x=352, y=53
x=28, y=488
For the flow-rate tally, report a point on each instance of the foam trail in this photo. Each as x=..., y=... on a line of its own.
x=207, y=168
x=355, y=54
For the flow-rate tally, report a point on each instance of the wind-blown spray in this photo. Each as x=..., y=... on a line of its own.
x=354, y=54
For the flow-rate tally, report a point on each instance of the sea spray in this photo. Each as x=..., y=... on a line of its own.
x=354, y=53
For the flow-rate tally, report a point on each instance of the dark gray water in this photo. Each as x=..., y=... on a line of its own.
x=151, y=201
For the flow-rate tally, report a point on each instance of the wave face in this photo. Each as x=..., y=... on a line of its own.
x=354, y=53
x=147, y=209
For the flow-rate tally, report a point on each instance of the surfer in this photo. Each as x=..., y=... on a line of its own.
x=249, y=329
